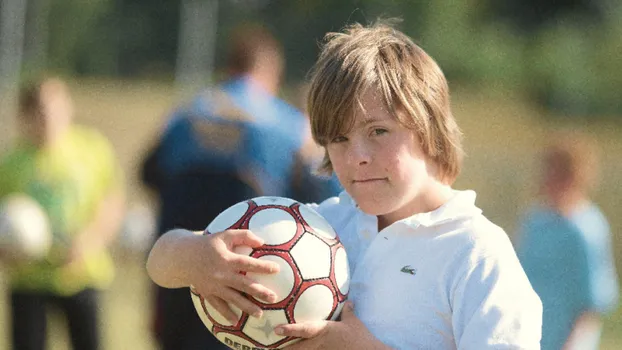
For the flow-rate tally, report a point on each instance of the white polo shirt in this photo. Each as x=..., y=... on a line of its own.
x=447, y=279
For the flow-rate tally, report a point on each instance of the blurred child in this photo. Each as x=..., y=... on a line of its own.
x=428, y=270
x=565, y=247
x=73, y=173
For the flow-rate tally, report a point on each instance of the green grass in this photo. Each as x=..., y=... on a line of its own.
x=502, y=137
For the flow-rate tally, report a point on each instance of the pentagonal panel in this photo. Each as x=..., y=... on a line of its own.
x=274, y=225
x=315, y=303
x=261, y=329
x=312, y=256
x=317, y=222
x=280, y=283
x=342, y=271
x=227, y=218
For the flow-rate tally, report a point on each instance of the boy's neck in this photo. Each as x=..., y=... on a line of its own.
x=430, y=198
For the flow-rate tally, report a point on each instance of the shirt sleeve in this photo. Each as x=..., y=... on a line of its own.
x=600, y=267
x=495, y=307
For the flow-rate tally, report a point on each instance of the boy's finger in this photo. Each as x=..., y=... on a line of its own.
x=244, y=304
x=223, y=308
x=248, y=264
x=244, y=237
x=301, y=330
x=252, y=288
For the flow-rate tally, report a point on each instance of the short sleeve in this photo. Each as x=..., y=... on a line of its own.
x=494, y=306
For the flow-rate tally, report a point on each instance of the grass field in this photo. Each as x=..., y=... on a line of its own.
x=502, y=136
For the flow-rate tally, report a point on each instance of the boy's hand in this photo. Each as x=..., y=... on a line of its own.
x=217, y=276
x=349, y=333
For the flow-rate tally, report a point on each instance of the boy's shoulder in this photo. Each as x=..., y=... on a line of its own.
x=336, y=210
x=474, y=239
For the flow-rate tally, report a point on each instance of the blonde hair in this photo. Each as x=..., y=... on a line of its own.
x=412, y=85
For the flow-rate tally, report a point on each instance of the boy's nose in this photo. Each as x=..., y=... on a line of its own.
x=359, y=154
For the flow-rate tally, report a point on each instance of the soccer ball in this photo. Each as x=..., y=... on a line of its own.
x=312, y=283
x=24, y=228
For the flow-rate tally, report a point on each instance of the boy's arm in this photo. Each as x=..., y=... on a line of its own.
x=181, y=258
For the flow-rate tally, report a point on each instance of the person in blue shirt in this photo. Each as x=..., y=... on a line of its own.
x=564, y=245
x=231, y=142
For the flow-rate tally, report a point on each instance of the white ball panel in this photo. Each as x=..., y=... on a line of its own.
x=280, y=283
x=243, y=250
x=197, y=305
x=317, y=222
x=312, y=256
x=227, y=218
x=262, y=329
x=275, y=226
x=272, y=200
x=342, y=271
x=315, y=303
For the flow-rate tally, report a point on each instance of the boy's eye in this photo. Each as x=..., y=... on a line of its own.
x=338, y=139
x=380, y=131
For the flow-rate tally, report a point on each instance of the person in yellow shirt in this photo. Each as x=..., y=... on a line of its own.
x=73, y=173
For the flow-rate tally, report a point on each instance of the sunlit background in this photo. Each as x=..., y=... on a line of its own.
x=518, y=69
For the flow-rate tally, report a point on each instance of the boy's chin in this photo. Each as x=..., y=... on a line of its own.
x=372, y=208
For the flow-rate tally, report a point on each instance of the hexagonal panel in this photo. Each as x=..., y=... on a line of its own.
x=342, y=271
x=312, y=256
x=317, y=222
x=314, y=304
x=280, y=283
x=275, y=226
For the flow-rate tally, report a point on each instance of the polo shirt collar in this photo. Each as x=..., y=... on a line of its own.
x=460, y=206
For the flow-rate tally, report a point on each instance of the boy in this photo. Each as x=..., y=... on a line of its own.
x=427, y=269
x=565, y=247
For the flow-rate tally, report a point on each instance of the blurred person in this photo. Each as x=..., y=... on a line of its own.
x=564, y=245
x=73, y=173
x=233, y=141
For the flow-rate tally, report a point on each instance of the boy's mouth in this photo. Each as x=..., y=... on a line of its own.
x=369, y=180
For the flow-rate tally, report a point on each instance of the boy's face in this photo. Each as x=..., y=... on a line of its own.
x=380, y=163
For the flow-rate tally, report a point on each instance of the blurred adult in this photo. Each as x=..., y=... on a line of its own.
x=564, y=245
x=72, y=172
x=231, y=142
